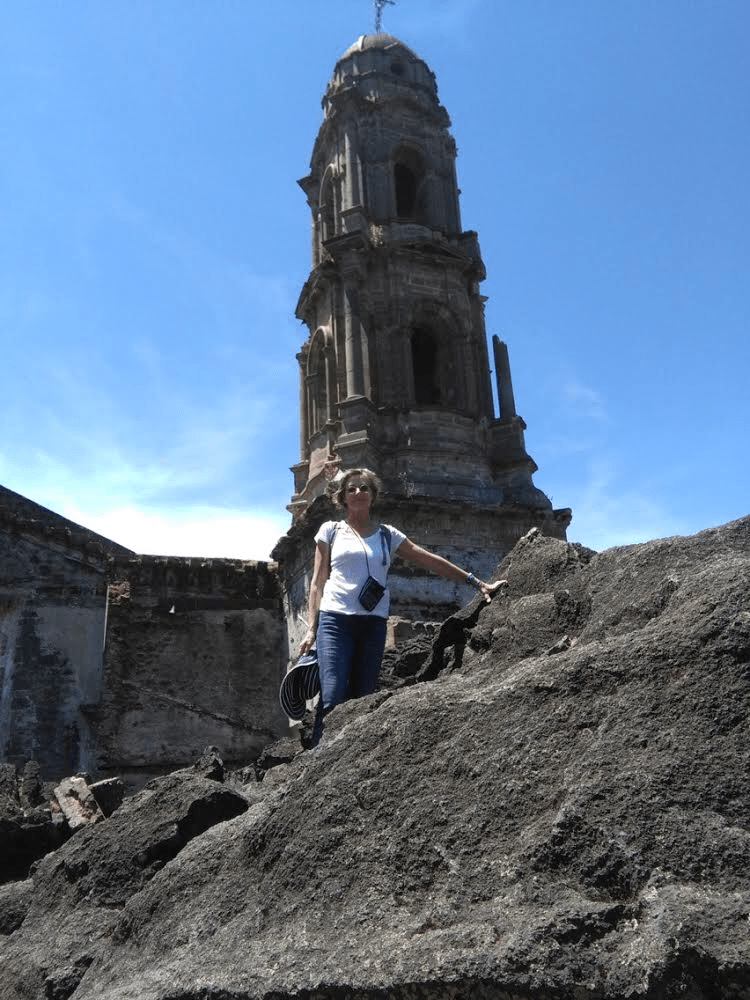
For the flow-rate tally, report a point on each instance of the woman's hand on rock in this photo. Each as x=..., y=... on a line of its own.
x=489, y=590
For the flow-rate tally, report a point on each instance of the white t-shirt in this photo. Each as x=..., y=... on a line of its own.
x=349, y=566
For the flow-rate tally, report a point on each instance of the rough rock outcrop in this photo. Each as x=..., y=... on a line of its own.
x=64, y=915
x=28, y=828
x=563, y=811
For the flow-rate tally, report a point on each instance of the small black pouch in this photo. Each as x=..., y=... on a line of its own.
x=370, y=593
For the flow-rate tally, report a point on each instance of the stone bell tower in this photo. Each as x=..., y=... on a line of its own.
x=395, y=373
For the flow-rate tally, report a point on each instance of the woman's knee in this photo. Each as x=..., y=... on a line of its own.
x=368, y=656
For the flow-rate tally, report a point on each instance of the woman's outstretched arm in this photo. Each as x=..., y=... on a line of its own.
x=444, y=567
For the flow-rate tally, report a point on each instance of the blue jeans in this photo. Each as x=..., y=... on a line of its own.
x=350, y=649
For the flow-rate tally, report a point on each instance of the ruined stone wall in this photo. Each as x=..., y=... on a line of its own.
x=194, y=657
x=117, y=663
x=52, y=621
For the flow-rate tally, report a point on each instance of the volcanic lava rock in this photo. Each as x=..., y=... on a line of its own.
x=562, y=812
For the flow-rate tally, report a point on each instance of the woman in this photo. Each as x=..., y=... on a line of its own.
x=349, y=625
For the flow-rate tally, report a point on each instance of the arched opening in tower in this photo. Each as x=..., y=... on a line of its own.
x=424, y=356
x=406, y=191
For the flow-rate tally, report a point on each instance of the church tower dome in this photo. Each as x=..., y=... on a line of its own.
x=395, y=372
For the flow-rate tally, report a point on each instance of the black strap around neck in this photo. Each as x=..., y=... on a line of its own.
x=385, y=544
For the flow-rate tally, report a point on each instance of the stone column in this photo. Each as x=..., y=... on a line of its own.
x=330, y=377
x=504, y=384
x=454, y=206
x=353, y=168
x=354, y=371
x=304, y=424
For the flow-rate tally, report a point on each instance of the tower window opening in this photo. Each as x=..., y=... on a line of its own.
x=406, y=191
x=424, y=356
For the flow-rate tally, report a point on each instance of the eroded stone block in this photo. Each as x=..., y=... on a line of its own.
x=78, y=803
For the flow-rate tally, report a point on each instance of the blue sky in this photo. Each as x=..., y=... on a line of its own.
x=153, y=243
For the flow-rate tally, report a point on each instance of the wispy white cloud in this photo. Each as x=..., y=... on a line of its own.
x=98, y=451
x=232, y=292
x=580, y=399
x=201, y=531
x=609, y=512
x=576, y=420
x=148, y=418
x=583, y=463
x=144, y=506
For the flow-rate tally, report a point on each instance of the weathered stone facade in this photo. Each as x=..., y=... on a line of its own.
x=194, y=656
x=116, y=663
x=395, y=374
x=53, y=587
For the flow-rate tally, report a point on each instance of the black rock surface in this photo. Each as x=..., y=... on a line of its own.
x=560, y=810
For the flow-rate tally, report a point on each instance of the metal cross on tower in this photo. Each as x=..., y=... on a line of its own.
x=379, y=4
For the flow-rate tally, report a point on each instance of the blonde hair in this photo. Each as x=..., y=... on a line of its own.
x=339, y=491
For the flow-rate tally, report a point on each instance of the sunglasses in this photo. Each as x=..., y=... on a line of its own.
x=354, y=489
